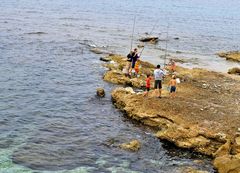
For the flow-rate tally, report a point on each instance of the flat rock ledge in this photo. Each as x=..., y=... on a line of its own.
x=232, y=55
x=204, y=117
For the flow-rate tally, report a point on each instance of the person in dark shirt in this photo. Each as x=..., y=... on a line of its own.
x=132, y=57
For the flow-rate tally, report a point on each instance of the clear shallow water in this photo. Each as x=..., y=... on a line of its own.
x=51, y=120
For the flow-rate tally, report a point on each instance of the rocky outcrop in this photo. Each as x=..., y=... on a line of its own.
x=234, y=70
x=115, y=73
x=203, y=117
x=134, y=145
x=232, y=55
x=100, y=92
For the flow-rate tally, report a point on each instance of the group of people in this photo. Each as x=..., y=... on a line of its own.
x=159, y=74
x=132, y=63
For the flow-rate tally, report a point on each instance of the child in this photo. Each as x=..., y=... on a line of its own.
x=171, y=66
x=173, y=84
x=137, y=66
x=148, y=84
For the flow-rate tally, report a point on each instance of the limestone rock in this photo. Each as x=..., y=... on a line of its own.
x=232, y=55
x=236, y=144
x=234, y=70
x=223, y=150
x=100, y=92
x=134, y=145
x=228, y=164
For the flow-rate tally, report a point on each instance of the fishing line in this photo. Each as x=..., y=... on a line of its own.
x=166, y=46
x=149, y=34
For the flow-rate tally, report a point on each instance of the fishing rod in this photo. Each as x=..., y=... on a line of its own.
x=166, y=46
x=149, y=34
x=133, y=32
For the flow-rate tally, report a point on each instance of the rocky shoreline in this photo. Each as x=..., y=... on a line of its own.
x=232, y=55
x=204, y=116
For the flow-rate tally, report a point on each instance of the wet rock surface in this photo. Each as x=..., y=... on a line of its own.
x=133, y=145
x=149, y=39
x=100, y=92
x=204, y=117
x=232, y=55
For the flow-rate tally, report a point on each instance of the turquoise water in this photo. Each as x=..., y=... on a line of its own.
x=51, y=120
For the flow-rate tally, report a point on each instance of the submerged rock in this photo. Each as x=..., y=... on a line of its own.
x=100, y=92
x=134, y=145
x=149, y=39
x=99, y=51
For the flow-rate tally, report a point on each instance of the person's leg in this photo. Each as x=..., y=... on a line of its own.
x=156, y=87
x=173, y=91
x=146, y=92
x=174, y=94
x=160, y=92
x=160, y=88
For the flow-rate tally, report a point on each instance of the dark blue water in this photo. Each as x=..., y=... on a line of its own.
x=51, y=120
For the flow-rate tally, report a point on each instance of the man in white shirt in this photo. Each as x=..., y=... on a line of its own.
x=158, y=76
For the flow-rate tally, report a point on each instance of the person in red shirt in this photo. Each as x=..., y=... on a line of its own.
x=148, y=84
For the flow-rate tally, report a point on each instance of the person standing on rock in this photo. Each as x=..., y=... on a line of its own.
x=132, y=58
x=158, y=77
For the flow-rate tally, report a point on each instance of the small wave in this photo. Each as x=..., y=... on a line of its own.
x=69, y=18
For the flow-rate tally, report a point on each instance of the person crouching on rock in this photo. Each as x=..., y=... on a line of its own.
x=158, y=77
x=148, y=85
x=173, y=86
